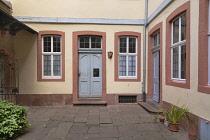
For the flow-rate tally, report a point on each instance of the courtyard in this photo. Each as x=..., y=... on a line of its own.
x=113, y=122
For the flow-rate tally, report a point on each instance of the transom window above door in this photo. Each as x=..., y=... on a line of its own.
x=90, y=42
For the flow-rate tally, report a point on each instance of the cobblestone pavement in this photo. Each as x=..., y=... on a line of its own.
x=117, y=122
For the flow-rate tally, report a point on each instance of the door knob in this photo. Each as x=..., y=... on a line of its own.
x=79, y=74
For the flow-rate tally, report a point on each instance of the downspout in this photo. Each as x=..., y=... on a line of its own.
x=144, y=51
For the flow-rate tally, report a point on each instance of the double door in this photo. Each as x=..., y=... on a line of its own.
x=90, y=75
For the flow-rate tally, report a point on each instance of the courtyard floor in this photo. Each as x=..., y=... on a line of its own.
x=117, y=122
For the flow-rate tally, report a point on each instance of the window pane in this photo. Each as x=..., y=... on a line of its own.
x=175, y=62
x=183, y=62
x=122, y=45
x=122, y=65
x=132, y=45
x=83, y=42
x=131, y=65
x=95, y=42
x=47, y=44
x=176, y=31
x=155, y=40
x=56, y=65
x=56, y=44
x=47, y=65
x=183, y=27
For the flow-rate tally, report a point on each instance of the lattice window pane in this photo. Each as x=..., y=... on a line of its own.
x=183, y=62
x=122, y=45
x=131, y=65
x=47, y=44
x=132, y=45
x=175, y=62
x=122, y=66
x=56, y=44
x=95, y=42
x=47, y=65
x=183, y=27
x=84, y=42
x=176, y=31
x=56, y=65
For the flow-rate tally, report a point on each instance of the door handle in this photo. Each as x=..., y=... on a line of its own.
x=79, y=74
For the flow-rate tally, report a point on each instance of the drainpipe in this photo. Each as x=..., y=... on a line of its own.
x=144, y=52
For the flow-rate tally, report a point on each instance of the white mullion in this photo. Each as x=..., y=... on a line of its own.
x=179, y=76
x=52, y=56
x=172, y=73
x=89, y=42
x=127, y=49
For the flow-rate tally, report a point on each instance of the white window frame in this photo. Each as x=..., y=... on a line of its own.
x=51, y=54
x=127, y=54
x=209, y=44
x=179, y=44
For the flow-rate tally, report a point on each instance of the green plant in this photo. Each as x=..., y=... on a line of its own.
x=174, y=114
x=12, y=120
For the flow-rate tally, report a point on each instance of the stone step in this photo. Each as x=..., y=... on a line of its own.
x=154, y=104
x=148, y=107
x=100, y=103
x=89, y=99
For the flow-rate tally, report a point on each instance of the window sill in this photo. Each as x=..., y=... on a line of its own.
x=204, y=89
x=127, y=80
x=51, y=80
x=181, y=84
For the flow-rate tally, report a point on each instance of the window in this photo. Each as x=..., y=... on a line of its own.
x=90, y=42
x=178, y=48
x=127, y=57
x=50, y=56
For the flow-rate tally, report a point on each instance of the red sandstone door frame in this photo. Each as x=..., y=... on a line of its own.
x=150, y=84
x=75, y=62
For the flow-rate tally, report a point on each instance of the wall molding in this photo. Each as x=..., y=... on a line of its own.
x=81, y=20
x=162, y=6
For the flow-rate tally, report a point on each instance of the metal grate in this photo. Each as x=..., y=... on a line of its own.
x=127, y=99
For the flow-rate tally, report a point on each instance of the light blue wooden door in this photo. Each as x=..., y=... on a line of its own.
x=90, y=75
x=156, y=85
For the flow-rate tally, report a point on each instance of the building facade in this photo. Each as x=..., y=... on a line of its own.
x=110, y=50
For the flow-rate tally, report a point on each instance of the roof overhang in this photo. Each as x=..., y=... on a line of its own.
x=9, y=23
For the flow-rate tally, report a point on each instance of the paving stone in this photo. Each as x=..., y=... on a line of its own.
x=93, y=122
x=56, y=118
x=94, y=129
x=118, y=122
x=105, y=121
x=70, y=136
x=80, y=120
x=61, y=131
x=109, y=132
x=70, y=115
x=67, y=119
x=127, y=138
x=148, y=127
x=78, y=129
x=99, y=138
x=128, y=131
